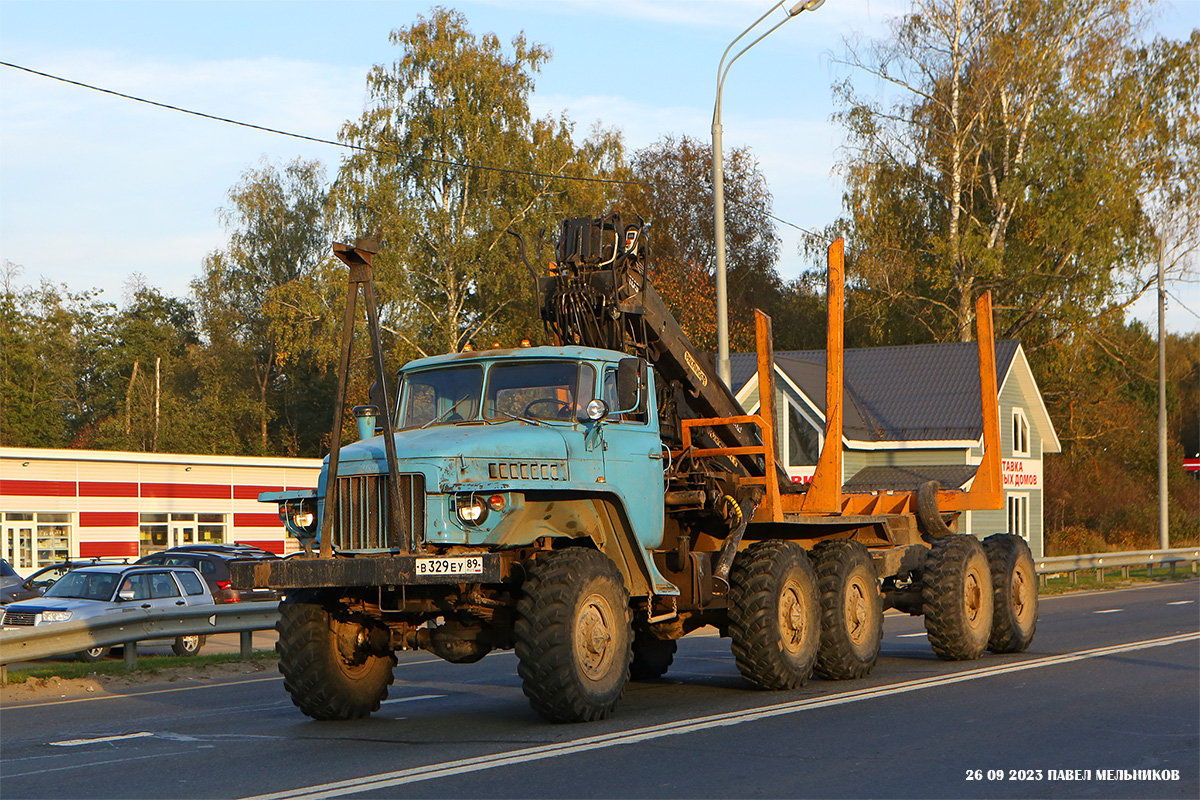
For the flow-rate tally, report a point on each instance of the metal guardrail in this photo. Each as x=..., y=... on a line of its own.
x=1104, y=561
x=60, y=639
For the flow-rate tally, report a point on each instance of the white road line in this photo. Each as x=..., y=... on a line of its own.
x=99, y=739
x=410, y=699
x=1109, y=611
x=1181, y=602
x=911, y=635
x=387, y=780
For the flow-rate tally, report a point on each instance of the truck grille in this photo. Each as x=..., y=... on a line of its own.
x=27, y=618
x=361, y=522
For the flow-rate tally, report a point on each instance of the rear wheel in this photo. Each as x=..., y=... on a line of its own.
x=92, y=655
x=330, y=665
x=957, y=598
x=851, y=610
x=573, y=635
x=774, y=615
x=651, y=657
x=187, y=645
x=1014, y=593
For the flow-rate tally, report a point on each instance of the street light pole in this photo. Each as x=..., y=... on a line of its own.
x=718, y=179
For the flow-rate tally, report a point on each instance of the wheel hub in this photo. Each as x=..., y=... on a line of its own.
x=857, y=610
x=973, y=595
x=593, y=637
x=791, y=617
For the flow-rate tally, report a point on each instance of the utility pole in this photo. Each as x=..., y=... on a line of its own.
x=1163, y=534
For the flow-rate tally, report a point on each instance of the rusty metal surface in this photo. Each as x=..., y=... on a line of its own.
x=398, y=570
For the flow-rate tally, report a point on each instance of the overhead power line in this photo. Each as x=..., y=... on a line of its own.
x=386, y=152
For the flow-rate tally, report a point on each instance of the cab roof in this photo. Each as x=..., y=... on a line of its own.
x=541, y=353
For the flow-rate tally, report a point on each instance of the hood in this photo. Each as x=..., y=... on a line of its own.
x=470, y=440
x=56, y=604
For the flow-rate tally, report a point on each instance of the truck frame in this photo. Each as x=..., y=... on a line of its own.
x=590, y=502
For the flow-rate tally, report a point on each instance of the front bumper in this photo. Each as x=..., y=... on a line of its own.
x=391, y=570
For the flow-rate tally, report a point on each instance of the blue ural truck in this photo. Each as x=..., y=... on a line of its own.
x=590, y=503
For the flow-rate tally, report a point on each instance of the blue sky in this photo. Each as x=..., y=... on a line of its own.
x=94, y=188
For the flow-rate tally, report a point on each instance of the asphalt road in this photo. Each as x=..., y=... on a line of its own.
x=1104, y=704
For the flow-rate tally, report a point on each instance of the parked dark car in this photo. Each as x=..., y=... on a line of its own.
x=13, y=586
x=212, y=562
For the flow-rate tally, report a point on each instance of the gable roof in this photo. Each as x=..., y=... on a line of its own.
x=926, y=392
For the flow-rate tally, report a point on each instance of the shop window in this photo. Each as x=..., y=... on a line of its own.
x=163, y=531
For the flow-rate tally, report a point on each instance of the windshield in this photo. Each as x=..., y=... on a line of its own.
x=532, y=390
x=84, y=585
x=440, y=396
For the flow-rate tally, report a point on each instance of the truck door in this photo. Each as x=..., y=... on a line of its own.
x=633, y=462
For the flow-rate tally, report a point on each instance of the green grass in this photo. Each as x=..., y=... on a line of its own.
x=150, y=664
x=1087, y=580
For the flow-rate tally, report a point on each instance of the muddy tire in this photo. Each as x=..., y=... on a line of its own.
x=957, y=598
x=774, y=615
x=851, y=610
x=325, y=670
x=573, y=635
x=187, y=645
x=92, y=655
x=651, y=657
x=1014, y=593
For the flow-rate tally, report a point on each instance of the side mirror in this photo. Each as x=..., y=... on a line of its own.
x=631, y=380
x=125, y=594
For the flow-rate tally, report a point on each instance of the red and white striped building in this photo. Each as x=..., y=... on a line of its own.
x=56, y=504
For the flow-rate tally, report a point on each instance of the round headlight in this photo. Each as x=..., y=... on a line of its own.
x=597, y=410
x=304, y=515
x=56, y=616
x=471, y=510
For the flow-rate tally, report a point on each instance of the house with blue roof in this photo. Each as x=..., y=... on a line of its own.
x=913, y=414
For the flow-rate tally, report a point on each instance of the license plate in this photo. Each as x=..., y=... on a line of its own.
x=450, y=565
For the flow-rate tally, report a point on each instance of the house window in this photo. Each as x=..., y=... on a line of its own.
x=1020, y=433
x=1018, y=515
x=804, y=443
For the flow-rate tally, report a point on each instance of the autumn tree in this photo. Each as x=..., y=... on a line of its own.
x=448, y=159
x=1008, y=152
x=280, y=233
x=674, y=194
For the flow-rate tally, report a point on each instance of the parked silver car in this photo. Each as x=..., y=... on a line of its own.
x=111, y=592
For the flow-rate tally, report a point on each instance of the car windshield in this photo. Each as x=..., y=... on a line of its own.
x=84, y=585
x=440, y=396
x=543, y=390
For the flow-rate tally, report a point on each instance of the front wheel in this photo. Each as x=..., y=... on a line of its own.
x=187, y=645
x=774, y=615
x=1015, y=593
x=573, y=635
x=331, y=666
x=957, y=598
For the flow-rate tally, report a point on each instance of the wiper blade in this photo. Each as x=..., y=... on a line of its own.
x=522, y=419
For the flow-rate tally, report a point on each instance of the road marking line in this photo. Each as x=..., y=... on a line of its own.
x=410, y=699
x=911, y=635
x=1181, y=602
x=98, y=740
x=1109, y=611
x=387, y=780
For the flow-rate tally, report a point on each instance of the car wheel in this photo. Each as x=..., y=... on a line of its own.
x=187, y=645
x=92, y=655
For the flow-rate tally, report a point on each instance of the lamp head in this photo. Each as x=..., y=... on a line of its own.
x=805, y=5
